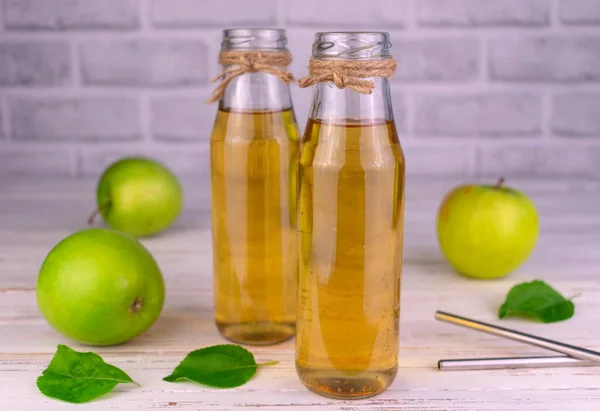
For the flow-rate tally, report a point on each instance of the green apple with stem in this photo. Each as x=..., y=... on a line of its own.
x=100, y=287
x=487, y=231
x=138, y=196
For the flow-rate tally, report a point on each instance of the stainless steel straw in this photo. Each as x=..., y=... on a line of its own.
x=464, y=364
x=570, y=350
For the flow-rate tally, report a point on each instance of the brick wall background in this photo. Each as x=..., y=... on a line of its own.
x=484, y=87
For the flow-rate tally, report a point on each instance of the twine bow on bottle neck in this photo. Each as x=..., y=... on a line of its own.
x=272, y=62
x=350, y=74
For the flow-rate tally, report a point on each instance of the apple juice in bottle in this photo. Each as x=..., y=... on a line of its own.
x=350, y=228
x=253, y=151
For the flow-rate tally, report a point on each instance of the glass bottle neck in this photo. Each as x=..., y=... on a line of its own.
x=334, y=105
x=256, y=92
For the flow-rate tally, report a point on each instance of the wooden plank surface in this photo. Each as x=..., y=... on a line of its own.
x=34, y=215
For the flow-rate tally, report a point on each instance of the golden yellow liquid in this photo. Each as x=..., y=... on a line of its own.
x=350, y=220
x=255, y=256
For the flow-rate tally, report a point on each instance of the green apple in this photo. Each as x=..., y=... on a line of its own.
x=138, y=196
x=100, y=287
x=487, y=231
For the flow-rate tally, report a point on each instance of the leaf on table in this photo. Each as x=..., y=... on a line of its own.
x=79, y=377
x=536, y=300
x=221, y=366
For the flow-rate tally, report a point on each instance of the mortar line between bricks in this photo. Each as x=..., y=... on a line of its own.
x=468, y=88
x=579, y=141
x=451, y=32
x=409, y=97
x=78, y=158
x=199, y=33
x=125, y=146
x=144, y=11
x=477, y=154
x=1, y=15
x=472, y=160
x=546, y=113
x=473, y=137
x=554, y=15
x=555, y=141
x=453, y=141
x=72, y=153
x=74, y=63
x=483, y=61
x=6, y=121
x=411, y=21
x=281, y=9
x=98, y=91
x=145, y=116
x=573, y=142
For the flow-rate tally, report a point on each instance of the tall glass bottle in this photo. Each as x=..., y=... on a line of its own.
x=253, y=150
x=350, y=227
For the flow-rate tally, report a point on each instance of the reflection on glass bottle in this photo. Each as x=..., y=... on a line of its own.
x=350, y=223
x=254, y=149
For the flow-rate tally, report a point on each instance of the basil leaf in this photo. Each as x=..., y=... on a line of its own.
x=536, y=300
x=79, y=377
x=221, y=366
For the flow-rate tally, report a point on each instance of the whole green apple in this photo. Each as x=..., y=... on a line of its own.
x=487, y=231
x=100, y=287
x=138, y=196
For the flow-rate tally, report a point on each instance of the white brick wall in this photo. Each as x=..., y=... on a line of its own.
x=579, y=12
x=41, y=63
x=545, y=59
x=437, y=59
x=483, y=88
x=576, y=115
x=212, y=13
x=478, y=115
x=181, y=119
x=143, y=63
x=71, y=14
x=79, y=119
x=470, y=13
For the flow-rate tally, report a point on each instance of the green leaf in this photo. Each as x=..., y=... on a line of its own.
x=221, y=366
x=536, y=300
x=79, y=377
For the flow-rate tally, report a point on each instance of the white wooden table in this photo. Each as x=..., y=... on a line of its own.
x=34, y=215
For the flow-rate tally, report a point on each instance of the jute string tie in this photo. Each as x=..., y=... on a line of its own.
x=251, y=62
x=350, y=74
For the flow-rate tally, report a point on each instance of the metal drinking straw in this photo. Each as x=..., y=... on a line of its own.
x=465, y=364
x=574, y=356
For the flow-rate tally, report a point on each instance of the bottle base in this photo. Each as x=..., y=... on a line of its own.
x=257, y=333
x=346, y=385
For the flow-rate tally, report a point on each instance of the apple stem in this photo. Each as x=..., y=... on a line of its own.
x=499, y=183
x=92, y=217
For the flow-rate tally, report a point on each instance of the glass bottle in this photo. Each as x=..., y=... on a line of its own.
x=350, y=227
x=253, y=151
